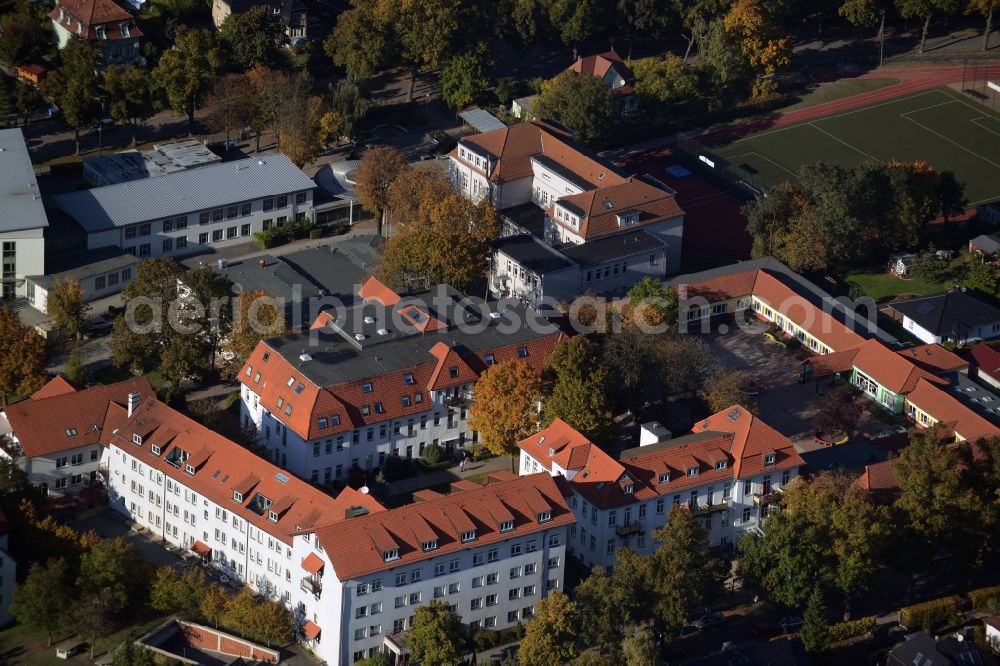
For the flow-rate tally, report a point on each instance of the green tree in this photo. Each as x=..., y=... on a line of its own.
x=350, y=106
x=640, y=648
x=578, y=392
x=252, y=37
x=598, y=610
x=425, y=32
x=130, y=654
x=94, y=615
x=213, y=604
x=579, y=101
x=588, y=658
x=867, y=13
x=725, y=389
x=815, y=633
x=466, y=77
x=550, y=638
x=360, y=42
x=924, y=10
x=42, y=603
x=644, y=19
x=986, y=8
x=66, y=304
x=950, y=194
x=377, y=659
x=139, y=343
x=982, y=276
x=27, y=100
x=665, y=84
x=271, y=623
x=73, y=86
x=257, y=318
x=436, y=636
x=695, y=18
x=688, y=575
x=130, y=96
x=171, y=592
x=22, y=357
x=239, y=612
x=505, y=410
x=653, y=303
x=115, y=572
x=208, y=306
x=21, y=35
x=376, y=172
x=230, y=104
x=574, y=20
x=76, y=371
x=186, y=72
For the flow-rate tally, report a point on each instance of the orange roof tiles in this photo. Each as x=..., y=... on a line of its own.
x=58, y=385
x=601, y=207
x=752, y=440
x=889, y=369
x=311, y=630
x=722, y=288
x=373, y=536
x=934, y=358
x=599, y=64
x=827, y=364
x=949, y=411
x=374, y=290
x=313, y=563
x=987, y=359
x=201, y=548
x=69, y=420
x=93, y=13
x=224, y=465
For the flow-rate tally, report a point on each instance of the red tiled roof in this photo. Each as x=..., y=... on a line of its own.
x=889, y=369
x=601, y=207
x=313, y=563
x=322, y=319
x=599, y=64
x=752, y=439
x=42, y=426
x=311, y=630
x=374, y=290
x=950, y=412
x=722, y=288
x=58, y=385
x=934, y=358
x=201, y=549
x=222, y=465
x=987, y=359
x=447, y=516
x=93, y=13
x=828, y=364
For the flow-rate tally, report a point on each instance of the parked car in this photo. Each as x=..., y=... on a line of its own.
x=709, y=621
x=99, y=326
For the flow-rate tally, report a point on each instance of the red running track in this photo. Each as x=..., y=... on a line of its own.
x=911, y=80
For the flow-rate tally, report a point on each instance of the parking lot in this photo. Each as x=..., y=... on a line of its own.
x=785, y=404
x=110, y=525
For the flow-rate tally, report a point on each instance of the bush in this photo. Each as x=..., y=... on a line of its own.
x=986, y=598
x=316, y=232
x=432, y=454
x=484, y=639
x=930, y=615
x=397, y=468
x=271, y=238
x=852, y=629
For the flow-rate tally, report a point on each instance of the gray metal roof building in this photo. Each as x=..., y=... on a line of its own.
x=20, y=202
x=129, y=165
x=184, y=192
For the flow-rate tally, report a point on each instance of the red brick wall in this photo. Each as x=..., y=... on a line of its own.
x=203, y=637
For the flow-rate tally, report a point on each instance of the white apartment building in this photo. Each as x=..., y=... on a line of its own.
x=56, y=435
x=389, y=377
x=193, y=210
x=351, y=572
x=23, y=222
x=727, y=472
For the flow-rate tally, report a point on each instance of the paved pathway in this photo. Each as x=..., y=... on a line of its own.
x=426, y=480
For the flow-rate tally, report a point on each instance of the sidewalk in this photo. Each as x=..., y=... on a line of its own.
x=421, y=481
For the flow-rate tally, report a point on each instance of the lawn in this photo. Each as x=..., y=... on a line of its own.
x=830, y=91
x=940, y=126
x=18, y=646
x=885, y=286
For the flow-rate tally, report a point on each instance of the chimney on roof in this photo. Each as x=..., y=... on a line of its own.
x=133, y=402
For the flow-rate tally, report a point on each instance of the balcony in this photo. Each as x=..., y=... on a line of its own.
x=312, y=586
x=628, y=529
x=764, y=499
x=705, y=509
x=463, y=399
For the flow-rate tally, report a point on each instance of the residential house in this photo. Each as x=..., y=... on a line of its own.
x=921, y=649
x=56, y=435
x=614, y=74
x=23, y=223
x=914, y=381
x=545, y=185
x=101, y=272
x=291, y=14
x=959, y=315
x=32, y=73
x=103, y=23
x=8, y=573
x=992, y=625
x=985, y=364
x=352, y=572
x=778, y=652
x=985, y=245
x=729, y=471
x=383, y=378
x=523, y=107
x=193, y=210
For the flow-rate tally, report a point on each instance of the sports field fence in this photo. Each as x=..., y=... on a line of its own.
x=981, y=82
x=734, y=178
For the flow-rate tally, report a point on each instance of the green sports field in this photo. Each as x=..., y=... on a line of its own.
x=940, y=126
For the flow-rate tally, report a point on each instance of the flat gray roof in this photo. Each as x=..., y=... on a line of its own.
x=189, y=191
x=80, y=265
x=20, y=202
x=337, y=178
x=480, y=120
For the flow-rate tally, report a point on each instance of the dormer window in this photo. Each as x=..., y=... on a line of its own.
x=321, y=422
x=291, y=380
x=721, y=464
x=136, y=438
x=507, y=526
x=665, y=477
x=365, y=410
x=71, y=432
x=629, y=489
x=272, y=516
x=406, y=401
x=155, y=449
x=430, y=545
x=125, y=30
x=769, y=458
x=490, y=359
x=266, y=356
x=408, y=378
x=692, y=471
x=544, y=516
x=628, y=218
x=469, y=535
x=453, y=371
x=390, y=555
x=189, y=469
x=379, y=409
x=366, y=387
x=237, y=496
x=418, y=398
x=335, y=420
x=522, y=352
x=281, y=401
x=101, y=32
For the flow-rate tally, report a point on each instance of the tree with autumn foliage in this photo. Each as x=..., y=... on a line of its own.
x=411, y=196
x=22, y=357
x=551, y=637
x=506, y=407
x=375, y=174
x=258, y=316
x=763, y=44
x=66, y=304
x=577, y=388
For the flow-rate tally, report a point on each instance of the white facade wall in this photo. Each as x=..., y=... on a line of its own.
x=725, y=508
x=331, y=457
x=94, y=286
x=227, y=225
x=547, y=186
x=965, y=334
x=919, y=332
x=27, y=247
x=66, y=471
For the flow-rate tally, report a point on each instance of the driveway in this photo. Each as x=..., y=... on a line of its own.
x=785, y=405
x=110, y=525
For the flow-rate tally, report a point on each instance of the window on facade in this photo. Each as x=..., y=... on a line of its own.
x=769, y=459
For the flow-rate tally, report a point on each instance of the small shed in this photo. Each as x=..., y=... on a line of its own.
x=480, y=120
x=33, y=73
x=524, y=107
x=901, y=263
x=69, y=648
x=986, y=245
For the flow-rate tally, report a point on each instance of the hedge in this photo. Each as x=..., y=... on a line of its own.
x=852, y=629
x=930, y=615
x=985, y=598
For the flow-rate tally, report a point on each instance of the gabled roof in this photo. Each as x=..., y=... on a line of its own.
x=987, y=359
x=372, y=537
x=951, y=313
x=986, y=243
x=65, y=421
x=58, y=385
x=93, y=13
x=223, y=466
x=918, y=649
x=374, y=290
x=600, y=208
x=752, y=440
x=950, y=412
x=891, y=370
x=600, y=64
